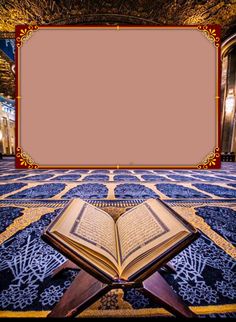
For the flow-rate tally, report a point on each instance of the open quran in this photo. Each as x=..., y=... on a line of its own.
x=141, y=240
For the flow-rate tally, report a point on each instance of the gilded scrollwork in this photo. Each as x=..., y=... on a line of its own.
x=211, y=33
x=24, y=33
x=211, y=161
x=24, y=160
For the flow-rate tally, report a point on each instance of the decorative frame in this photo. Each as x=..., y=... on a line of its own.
x=211, y=161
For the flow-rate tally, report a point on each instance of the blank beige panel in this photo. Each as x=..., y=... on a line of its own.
x=127, y=97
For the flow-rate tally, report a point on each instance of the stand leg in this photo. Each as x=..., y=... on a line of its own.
x=86, y=290
x=67, y=265
x=160, y=290
x=83, y=291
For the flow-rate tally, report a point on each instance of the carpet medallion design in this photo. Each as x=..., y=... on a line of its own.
x=87, y=191
x=134, y=191
x=41, y=191
x=216, y=190
x=125, y=178
x=66, y=177
x=7, y=216
x=179, y=191
x=221, y=219
x=96, y=177
x=38, y=177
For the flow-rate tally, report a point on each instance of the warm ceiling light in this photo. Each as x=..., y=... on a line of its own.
x=13, y=68
x=229, y=103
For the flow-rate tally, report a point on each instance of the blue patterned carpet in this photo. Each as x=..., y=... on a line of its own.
x=29, y=200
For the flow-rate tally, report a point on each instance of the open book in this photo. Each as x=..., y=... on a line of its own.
x=123, y=250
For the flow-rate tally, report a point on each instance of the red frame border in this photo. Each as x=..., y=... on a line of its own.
x=212, y=161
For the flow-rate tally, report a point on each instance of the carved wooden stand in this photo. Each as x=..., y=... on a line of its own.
x=86, y=289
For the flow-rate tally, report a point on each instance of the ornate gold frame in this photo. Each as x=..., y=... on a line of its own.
x=211, y=161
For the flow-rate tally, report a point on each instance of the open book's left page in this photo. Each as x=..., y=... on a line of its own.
x=89, y=228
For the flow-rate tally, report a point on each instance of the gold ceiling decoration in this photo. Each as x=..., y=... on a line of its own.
x=7, y=77
x=140, y=11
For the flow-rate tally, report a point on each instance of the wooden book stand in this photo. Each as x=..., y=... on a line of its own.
x=86, y=289
x=91, y=284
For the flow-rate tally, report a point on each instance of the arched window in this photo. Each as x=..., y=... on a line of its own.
x=228, y=96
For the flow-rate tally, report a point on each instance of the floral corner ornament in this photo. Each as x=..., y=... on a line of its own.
x=24, y=32
x=212, y=161
x=212, y=33
x=24, y=161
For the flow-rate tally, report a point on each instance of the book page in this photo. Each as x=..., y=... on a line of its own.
x=137, y=228
x=90, y=227
x=145, y=227
x=93, y=258
x=141, y=261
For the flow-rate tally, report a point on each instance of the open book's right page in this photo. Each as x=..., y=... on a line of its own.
x=145, y=232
